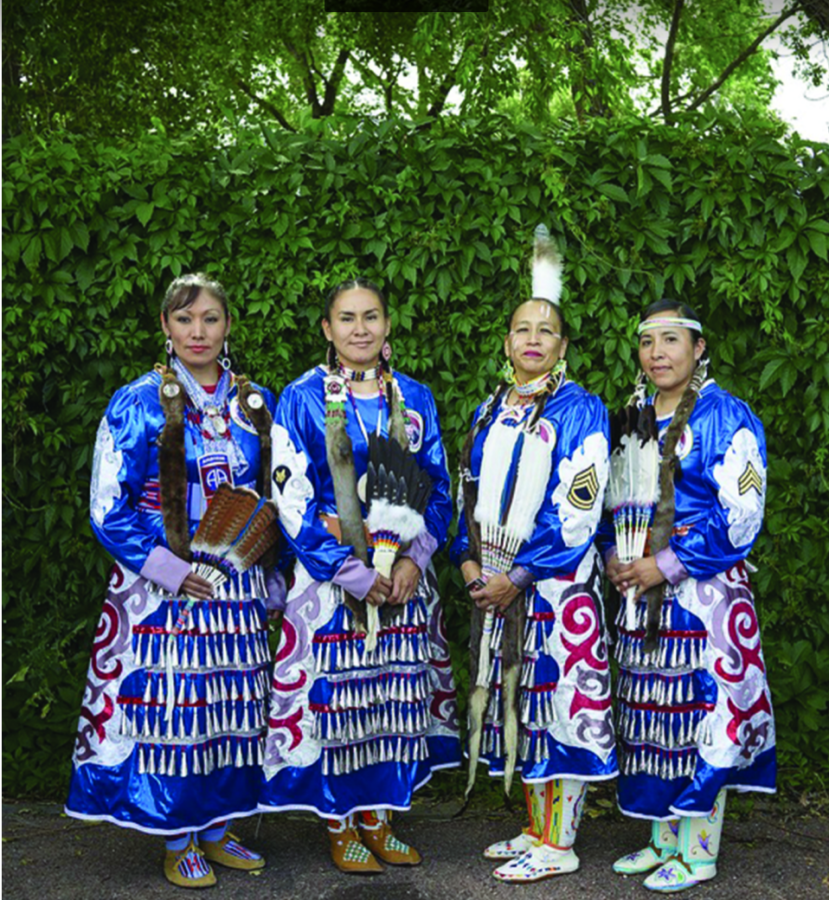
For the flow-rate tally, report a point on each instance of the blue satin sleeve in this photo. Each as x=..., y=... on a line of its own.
x=720, y=494
x=300, y=476
x=567, y=521
x=432, y=458
x=119, y=469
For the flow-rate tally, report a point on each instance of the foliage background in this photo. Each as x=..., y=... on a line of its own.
x=731, y=221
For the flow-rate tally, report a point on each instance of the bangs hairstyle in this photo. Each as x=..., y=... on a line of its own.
x=558, y=310
x=183, y=291
x=350, y=286
x=675, y=306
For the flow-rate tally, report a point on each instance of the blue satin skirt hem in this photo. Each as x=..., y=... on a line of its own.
x=388, y=785
x=650, y=797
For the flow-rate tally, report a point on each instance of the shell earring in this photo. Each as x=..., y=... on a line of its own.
x=168, y=346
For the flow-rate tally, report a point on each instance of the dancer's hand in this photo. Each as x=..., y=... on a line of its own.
x=641, y=574
x=497, y=593
x=197, y=587
x=613, y=568
x=471, y=572
x=380, y=591
x=405, y=576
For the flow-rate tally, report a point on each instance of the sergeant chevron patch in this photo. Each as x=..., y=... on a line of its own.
x=750, y=479
x=585, y=489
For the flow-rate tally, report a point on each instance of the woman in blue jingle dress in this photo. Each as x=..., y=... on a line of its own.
x=170, y=739
x=549, y=628
x=694, y=715
x=353, y=733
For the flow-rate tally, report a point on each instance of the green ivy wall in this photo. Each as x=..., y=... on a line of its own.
x=733, y=223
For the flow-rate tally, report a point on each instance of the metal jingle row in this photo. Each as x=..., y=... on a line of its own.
x=662, y=689
x=353, y=725
x=182, y=760
x=663, y=728
x=196, y=652
x=656, y=761
x=352, y=757
x=408, y=684
x=188, y=723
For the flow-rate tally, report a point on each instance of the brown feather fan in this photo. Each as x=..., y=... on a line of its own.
x=237, y=529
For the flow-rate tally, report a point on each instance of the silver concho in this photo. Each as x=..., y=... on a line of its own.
x=255, y=401
x=170, y=390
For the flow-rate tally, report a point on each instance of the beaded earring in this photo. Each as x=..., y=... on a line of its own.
x=508, y=371
x=171, y=354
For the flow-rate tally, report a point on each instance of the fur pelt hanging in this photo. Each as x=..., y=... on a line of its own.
x=663, y=519
x=172, y=464
x=339, y=454
x=262, y=421
x=514, y=616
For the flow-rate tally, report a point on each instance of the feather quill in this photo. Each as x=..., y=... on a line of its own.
x=633, y=490
x=546, y=267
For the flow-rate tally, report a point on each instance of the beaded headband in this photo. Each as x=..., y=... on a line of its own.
x=667, y=322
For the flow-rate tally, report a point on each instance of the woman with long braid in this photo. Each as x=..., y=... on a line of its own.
x=533, y=472
x=354, y=731
x=694, y=713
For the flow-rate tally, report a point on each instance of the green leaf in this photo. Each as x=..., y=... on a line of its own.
x=614, y=192
x=144, y=212
x=31, y=254
x=771, y=372
x=817, y=240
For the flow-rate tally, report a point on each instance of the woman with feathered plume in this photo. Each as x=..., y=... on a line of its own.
x=363, y=706
x=694, y=710
x=533, y=474
x=171, y=733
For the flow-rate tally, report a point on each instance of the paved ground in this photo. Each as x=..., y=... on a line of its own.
x=771, y=854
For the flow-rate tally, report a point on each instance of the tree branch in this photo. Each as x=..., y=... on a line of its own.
x=735, y=63
x=265, y=104
x=332, y=84
x=307, y=77
x=669, y=58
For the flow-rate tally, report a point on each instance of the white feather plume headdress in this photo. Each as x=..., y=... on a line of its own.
x=546, y=267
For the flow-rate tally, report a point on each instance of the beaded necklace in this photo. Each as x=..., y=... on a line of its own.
x=212, y=413
x=356, y=375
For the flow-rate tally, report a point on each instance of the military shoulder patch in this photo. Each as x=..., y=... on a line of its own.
x=750, y=479
x=584, y=489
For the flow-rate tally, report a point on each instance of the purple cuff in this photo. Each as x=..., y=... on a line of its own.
x=166, y=569
x=421, y=550
x=277, y=590
x=669, y=565
x=520, y=577
x=355, y=577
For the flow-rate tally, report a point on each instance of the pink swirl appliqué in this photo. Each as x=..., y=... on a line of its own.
x=106, y=635
x=286, y=648
x=743, y=631
x=579, y=618
x=291, y=724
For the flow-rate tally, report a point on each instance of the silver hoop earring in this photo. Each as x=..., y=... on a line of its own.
x=224, y=362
